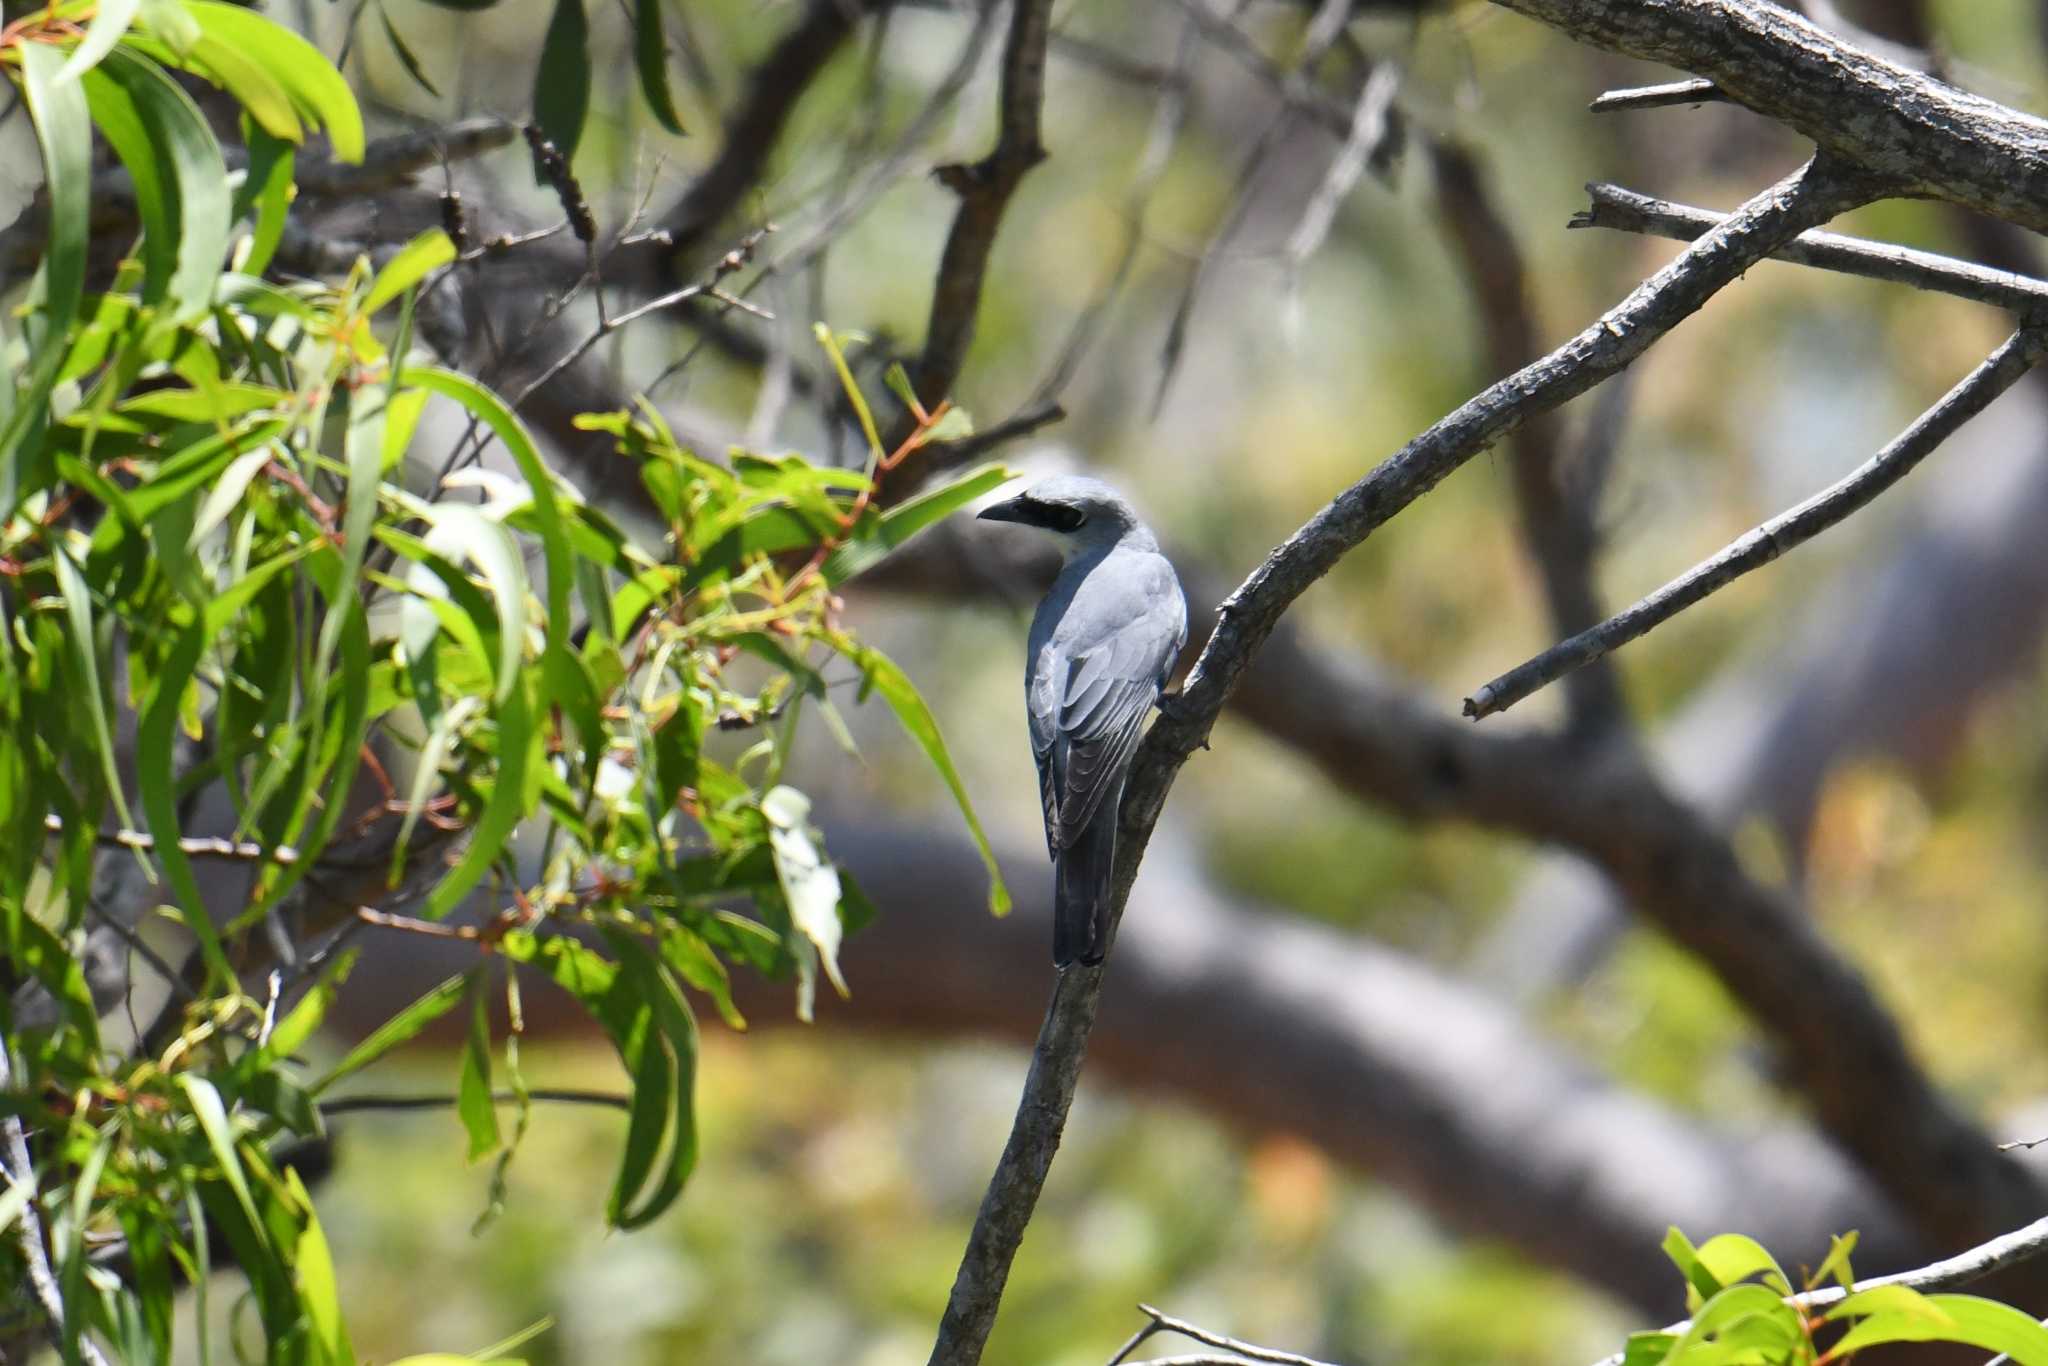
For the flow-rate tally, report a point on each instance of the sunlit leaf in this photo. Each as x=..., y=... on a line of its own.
x=400, y=1028
x=1967, y=1319
x=885, y=677
x=220, y=1136
x=873, y=540
x=316, y=89
x=186, y=146
x=810, y=884
x=429, y=251
x=474, y=1105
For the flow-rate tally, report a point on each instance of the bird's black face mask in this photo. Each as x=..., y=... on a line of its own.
x=1028, y=512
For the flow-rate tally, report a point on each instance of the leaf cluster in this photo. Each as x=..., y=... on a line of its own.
x=1745, y=1313
x=230, y=579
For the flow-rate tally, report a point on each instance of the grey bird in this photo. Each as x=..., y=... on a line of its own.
x=1102, y=644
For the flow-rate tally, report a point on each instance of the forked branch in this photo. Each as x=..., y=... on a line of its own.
x=1828, y=508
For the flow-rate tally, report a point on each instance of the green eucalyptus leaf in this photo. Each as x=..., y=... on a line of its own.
x=474, y=1105
x=561, y=85
x=400, y=1028
x=886, y=677
x=650, y=57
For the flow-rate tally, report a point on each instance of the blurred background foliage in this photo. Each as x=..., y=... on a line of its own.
x=839, y=1171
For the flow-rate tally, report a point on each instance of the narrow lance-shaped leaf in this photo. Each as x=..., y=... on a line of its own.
x=313, y=1271
x=561, y=85
x=406, y=1024
x=110, y=22
x=883, y=675
x=810, y=884
x=64, y=128
x=121, y=122
x=220, y=1136
x=198, y=171
x=407, y=58
x=474, y=1105
x=519, y=741
x=650, y=55
x=426, y=252
x=85, y=650
x=870, y=542
x=265, y=196
x=316, y=89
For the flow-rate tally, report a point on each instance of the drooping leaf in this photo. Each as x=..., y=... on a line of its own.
x=220, y=1136
x=887, y=678
x=317, y=91
x=110, y=22
x=64, y=129
x=403, y=1026
x=520, y=738
x=313, y=1269
x=561, y=85
x=650, y=55
x=478, y=1112
x=810, y=883
x=186, y=146
x=265, y=196
x=406, y=57
x=121, y=122
x=878, y=535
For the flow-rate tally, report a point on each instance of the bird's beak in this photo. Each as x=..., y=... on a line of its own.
x=1019, y=509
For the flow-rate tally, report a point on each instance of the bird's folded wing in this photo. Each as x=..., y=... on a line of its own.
x=1084, y=741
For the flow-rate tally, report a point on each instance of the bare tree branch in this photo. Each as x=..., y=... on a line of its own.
x=1167, y=1323
x=1921, y=132
x=772, y=91
x=1828, y=508
x=1626, y=211
x=1556, y=522
x=984, y=189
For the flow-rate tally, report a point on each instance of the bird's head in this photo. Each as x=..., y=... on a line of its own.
x=1080, y=513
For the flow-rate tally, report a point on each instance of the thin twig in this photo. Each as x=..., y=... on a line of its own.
x=984, y=190
x=727, y=264
x=1828, y=508
x=433, y=929
x=1626, y=211
x=1556, y=521
x=1658, y=96
x=1166, y=1323
x=193, y=846
x=358, y=1104
x=140, y=947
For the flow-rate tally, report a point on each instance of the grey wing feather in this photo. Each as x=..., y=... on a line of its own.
x=1088, y=698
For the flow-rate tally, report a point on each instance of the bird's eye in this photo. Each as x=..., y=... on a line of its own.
x=1062, y=518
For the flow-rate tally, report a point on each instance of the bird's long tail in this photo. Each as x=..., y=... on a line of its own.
x=1081, y=877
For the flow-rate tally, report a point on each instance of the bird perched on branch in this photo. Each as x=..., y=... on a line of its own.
x=1102, y=644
